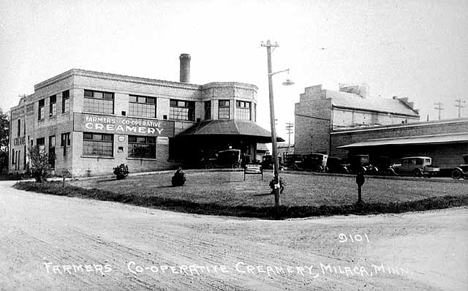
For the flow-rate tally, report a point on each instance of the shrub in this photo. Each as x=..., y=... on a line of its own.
x=121, y=171
x=40, y=163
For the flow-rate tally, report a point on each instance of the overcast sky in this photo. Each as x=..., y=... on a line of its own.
x=410, y=48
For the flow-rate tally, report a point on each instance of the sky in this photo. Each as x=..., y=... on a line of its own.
x=410, y=48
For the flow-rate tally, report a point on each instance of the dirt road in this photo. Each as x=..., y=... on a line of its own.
x=60, y=243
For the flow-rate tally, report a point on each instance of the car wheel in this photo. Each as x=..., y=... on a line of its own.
x=417, y=173
x=236, y=166
x=456, y=174
x=208, y=166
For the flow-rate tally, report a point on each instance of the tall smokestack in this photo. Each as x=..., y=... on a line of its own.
x=185, y=68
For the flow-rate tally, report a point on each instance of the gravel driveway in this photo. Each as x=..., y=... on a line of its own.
x=60, y=243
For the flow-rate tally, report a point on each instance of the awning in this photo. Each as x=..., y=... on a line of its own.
x=229, y=128
x=411, y=140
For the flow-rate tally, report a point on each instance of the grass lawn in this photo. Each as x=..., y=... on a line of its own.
x=226, y=193
x=229, y=188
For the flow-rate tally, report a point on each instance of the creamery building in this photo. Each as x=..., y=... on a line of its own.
x=90, y=122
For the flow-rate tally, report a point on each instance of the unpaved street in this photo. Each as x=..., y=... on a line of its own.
x=60, y=243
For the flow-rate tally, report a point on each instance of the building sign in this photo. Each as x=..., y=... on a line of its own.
x=123, y=125
x=19, y=141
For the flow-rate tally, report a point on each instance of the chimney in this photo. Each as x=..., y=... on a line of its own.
x=185, y=68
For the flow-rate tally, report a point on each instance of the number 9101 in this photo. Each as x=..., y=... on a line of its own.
x=353, y=238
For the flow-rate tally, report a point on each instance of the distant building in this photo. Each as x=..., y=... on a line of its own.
x=93, y=121
x=320, y=112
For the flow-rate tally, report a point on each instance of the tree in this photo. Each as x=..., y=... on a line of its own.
x=40, y=166
x=4, y=139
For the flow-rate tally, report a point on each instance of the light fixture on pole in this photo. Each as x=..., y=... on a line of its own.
x=274, y=147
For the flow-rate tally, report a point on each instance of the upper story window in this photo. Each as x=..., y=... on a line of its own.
x=182, y=110
x=40, y=113
x=97, y=144
x=243, y=110
x=207, y=110
x=142, y=106
x=98, y=102
x=53, y=106
x=19, y=127
x=65, y=101
x=224, y=109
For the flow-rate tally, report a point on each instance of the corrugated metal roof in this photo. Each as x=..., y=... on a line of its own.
x=424, y=139
x=354, y=101
x=230, y=127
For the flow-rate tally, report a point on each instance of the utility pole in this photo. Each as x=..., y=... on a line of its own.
x=459, y=105
x=439, y=107
x=274, y=146
x=289, y=127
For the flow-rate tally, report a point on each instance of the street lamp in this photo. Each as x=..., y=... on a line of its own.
x=288, y=82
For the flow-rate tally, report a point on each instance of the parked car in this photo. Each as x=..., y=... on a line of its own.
x=337, y=165
x=415, y=166
x=224, y=159
x=292, y=161
x=462, y=170
x=360, y=163
x=313, y=162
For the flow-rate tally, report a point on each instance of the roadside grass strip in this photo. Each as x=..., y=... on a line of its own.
x=251, y=211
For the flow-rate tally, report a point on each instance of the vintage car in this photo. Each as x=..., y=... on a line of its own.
x=292, y=161
x=230, y=158
x=313, y=162
x=462, y=170
x=337, y=165
x=360, y=163
x=414, y=166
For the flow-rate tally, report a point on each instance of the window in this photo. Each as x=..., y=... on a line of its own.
x=41, y=109
x=96, y=144
x=255, y=113
x=19, y=127
x=224, y=109
x=53, y=106
x=52, y=151
x=207, y=110
x=12, y=157
x=142, y=147
x=142, y=106
x=65, y=101
x=65, y=142
x=182, y=110
x=243, y=110
x=98, y=102
x=40, y=142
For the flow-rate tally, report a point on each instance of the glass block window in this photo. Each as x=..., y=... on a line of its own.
x=182, y=110
x=97, y=144
x=223, y=109
x=98, y=102
x=243, y=110
x=40, y=113
x=65, y=101
x=142, y=106
x=207, y=110
x=142, y=147
x=53, y=106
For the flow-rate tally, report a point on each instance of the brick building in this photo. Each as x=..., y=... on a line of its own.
x=93, y=121
x=350, y=122
x=320, y=112
x=445, y=141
